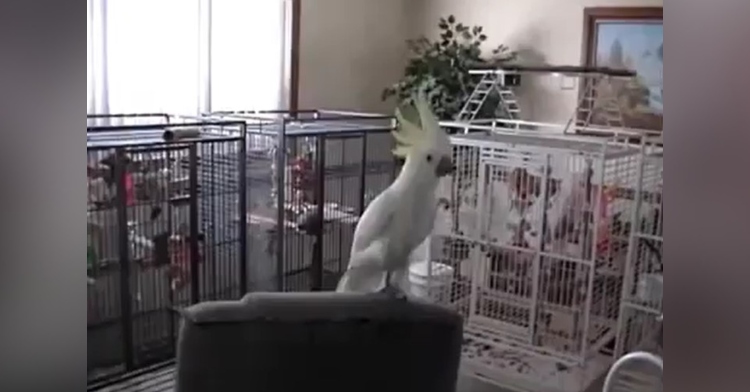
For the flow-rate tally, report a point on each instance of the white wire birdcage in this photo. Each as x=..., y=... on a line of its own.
x=642, y=297
x=640, y=330
x=539, y=286
x=536, y=247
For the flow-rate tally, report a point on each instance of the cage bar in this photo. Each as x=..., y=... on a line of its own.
x=311, y=174
x=537, y=243
x=160, y=233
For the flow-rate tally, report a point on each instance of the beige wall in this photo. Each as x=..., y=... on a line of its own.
x=549, y=31
x=351, y=49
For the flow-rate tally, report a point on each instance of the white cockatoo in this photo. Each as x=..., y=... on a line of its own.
x=402, y=216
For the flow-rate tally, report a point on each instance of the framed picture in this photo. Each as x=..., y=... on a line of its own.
x=630, y=38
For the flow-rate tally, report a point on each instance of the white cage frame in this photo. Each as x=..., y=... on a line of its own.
x=497, y=140
x=642, y=297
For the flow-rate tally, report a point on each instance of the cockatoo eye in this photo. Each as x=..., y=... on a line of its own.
x=429, y=158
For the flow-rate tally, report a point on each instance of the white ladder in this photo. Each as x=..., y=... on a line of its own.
x=491, y=81
x=600, y=98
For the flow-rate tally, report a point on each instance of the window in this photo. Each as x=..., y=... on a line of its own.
x=247, y=73
x=184, y=56
x=89, y=59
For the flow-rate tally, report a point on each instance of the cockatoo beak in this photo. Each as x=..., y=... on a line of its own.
x=444, y=167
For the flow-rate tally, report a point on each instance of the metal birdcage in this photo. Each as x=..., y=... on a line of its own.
x=310, y=175
x=537, y=245
x=640, y=341
x=642, y=297
x=160, y=233
x=537, y=241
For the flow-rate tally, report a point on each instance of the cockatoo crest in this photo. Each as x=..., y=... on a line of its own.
x=419, y=128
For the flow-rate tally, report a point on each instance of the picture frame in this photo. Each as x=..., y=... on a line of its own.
x=630, y=38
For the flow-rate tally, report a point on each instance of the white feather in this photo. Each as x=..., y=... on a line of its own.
x=401, y=217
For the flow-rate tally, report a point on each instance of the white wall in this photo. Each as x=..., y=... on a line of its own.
x=549, y=31
x=350, y=51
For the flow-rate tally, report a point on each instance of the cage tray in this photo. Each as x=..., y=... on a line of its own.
x=517, y=370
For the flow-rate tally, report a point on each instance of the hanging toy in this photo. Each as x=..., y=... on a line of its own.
x=303, y=178
x=91, y=257
x=110, y=162
x=181, y=261
x=129, y=190
x=605, y=225
x=90, y=262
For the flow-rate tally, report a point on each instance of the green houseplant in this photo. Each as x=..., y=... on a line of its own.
x=443, y=66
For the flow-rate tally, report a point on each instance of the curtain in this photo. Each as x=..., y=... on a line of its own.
x=185, y=56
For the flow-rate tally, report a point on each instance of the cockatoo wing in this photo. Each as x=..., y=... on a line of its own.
x=374, y=223
x=366, y=269
x=366, y=273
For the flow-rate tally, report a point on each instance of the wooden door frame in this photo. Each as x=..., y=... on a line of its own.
x=294, y=55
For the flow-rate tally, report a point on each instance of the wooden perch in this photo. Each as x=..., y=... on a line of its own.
x=572, y=70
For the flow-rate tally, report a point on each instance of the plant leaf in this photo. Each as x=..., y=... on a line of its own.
x=442, y=67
